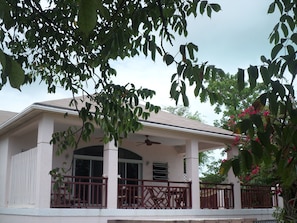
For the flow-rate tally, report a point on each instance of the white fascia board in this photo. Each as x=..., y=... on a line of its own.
x=32, y=108
x=187, y=130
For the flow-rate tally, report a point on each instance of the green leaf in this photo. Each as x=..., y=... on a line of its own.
x=235, y=166
x=273, y=104
x=168, y=59
x=290, y=89
x=265, y=75
x=263, y=59
x=15, y=73
x=185, y=99
x=87, y=16
x=246, y=159
x=5, y=15
x=240, y=79
x=182, y=50
x=257, y=120
x=180, y=69
x=173, y=91
x=208, y=8
x=225, y=167
x=294, y=38
x=278, y=87
x=291, y=22
x=271, y=7
x=284, y=29
x=191, y=48
x=2, y=60
x=257, y=150
x=202, y=6
x=245, y=125
x=275, y=50
x=215, y=7
x=253, y=76
x=264, y=138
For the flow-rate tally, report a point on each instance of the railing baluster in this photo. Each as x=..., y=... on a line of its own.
x=80, y=192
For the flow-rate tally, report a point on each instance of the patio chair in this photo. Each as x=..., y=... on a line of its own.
x=156, y=200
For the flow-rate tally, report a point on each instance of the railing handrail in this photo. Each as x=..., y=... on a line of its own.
x=217, y=184
x=156, y=181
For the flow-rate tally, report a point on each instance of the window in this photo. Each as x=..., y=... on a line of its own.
x=160, y=171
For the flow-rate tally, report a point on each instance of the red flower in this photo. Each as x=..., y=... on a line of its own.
x=236, y=140
x=255, y=170
x=290, y=160
x=266, y=113
x=257, y=140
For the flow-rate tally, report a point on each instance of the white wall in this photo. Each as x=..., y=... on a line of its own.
x=23, y=179
x=3, y=171
x=150, y=154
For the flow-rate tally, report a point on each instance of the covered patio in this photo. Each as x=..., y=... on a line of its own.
x=147, y=181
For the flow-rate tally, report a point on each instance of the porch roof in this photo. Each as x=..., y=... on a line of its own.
x=6, y=115
x=162, y=119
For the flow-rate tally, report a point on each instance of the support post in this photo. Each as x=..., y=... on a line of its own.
x=192, y=169
x=44, y=162
x=110, y=169
x=234, y=180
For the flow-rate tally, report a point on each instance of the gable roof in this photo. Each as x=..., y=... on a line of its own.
x=6, y=115
x=163, y=118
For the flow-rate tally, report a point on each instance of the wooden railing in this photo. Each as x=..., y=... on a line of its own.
x=153, y=194
x=253, y=196
x=215, y=196
x=91, y=192
x=79, y=192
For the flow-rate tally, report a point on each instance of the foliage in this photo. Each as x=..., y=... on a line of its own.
x=231, y=100
x=268, y=137
x=72, y=44
x=184, y=112
x=212, y=175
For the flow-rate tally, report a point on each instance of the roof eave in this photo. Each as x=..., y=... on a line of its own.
x=37, y=106
x=192, y=131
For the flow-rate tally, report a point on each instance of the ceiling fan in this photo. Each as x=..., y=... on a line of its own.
x=149, y=142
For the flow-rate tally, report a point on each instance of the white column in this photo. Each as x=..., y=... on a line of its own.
x=192, y=168
x=44, y=162
x=234, y=180
x=110, y=169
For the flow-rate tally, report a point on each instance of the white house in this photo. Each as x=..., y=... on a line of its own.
x=151, y=175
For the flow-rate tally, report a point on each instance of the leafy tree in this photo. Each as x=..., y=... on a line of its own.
x=184, y=112
x=212, y=174
x=231, y=101
x=268, y=136
x=72, y=44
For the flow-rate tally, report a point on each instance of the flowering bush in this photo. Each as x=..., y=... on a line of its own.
x=263, y=140
x=266, y=138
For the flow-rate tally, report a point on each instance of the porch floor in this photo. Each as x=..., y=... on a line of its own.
x=187, y=221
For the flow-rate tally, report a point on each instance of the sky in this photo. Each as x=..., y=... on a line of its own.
x=235, y=37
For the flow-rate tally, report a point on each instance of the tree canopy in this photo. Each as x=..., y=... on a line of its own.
x=71, y=43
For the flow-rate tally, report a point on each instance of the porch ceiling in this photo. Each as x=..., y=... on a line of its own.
x=139, y=138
